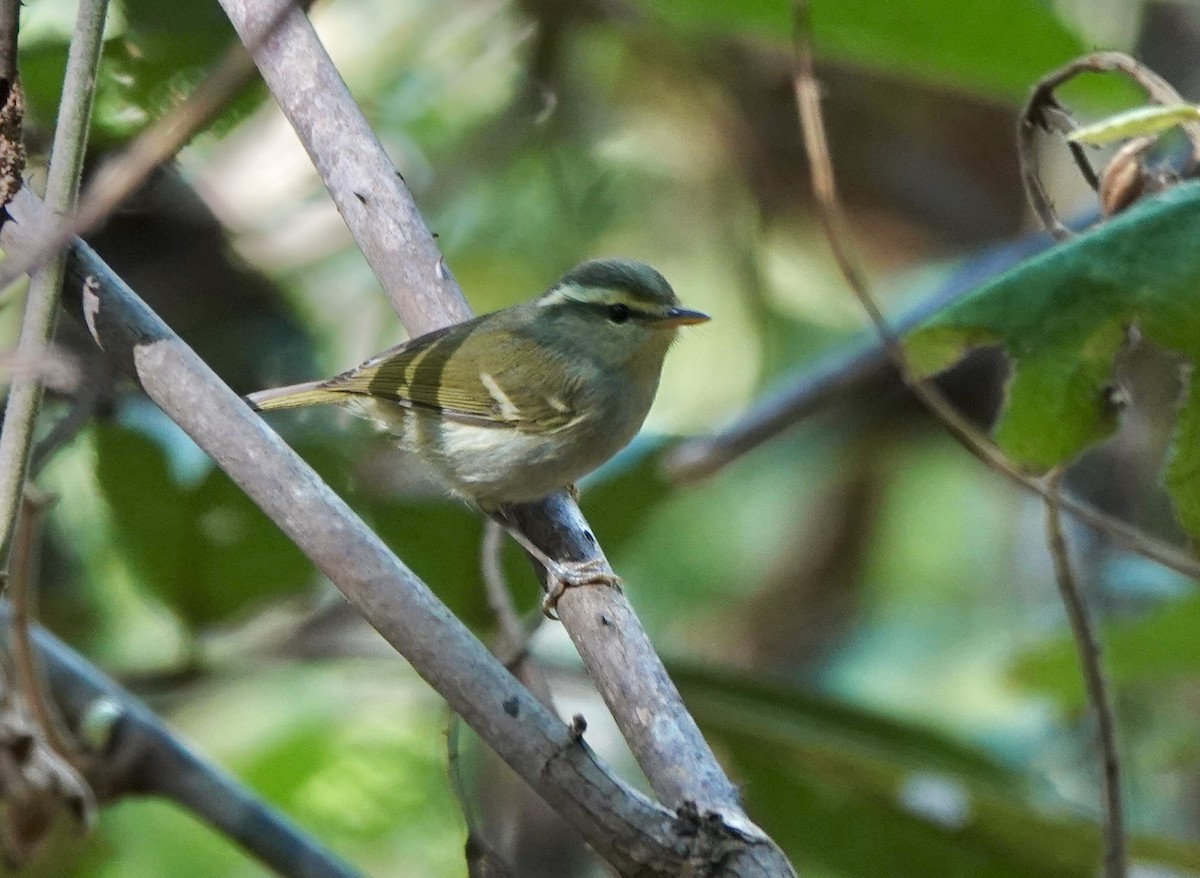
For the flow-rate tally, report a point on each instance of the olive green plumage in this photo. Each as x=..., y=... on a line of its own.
x=513, y=405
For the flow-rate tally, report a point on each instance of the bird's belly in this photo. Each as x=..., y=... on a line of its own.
x=496, y=465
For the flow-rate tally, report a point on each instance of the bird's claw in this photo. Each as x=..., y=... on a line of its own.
x=562, y=575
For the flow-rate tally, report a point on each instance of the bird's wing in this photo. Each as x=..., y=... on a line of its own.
x=449, y=372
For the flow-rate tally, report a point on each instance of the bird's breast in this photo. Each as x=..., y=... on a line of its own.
x=494, y=465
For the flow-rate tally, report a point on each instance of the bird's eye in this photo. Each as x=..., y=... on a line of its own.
x=619, y=313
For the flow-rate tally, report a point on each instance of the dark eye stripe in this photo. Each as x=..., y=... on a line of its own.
x=619, y=313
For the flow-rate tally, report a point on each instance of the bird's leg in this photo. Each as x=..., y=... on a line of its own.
x=560, y=575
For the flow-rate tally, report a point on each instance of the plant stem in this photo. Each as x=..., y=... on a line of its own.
x=41, y=304
x=1091, y=663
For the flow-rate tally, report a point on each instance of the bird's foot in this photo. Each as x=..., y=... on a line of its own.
x=561, y=575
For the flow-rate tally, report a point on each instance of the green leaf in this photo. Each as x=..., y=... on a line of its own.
x=241, y=558
x=1139, y=122
x=204, y=548
x=149, y=507
x=1063, y=315
x=154, y=55
x=847, y=815
x=889, y=798
x=758, y=706
x=999, y=49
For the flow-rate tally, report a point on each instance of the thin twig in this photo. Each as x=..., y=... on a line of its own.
x=84, y=404
x=157, y=144
x=491, y=567
x=483, y=860
x=830, y=214
x=514, y=634
x=1091, y=661
x=808, y=98
x=514, y=811
x=41, y=306
x=454, y=773
x=481, y=855
x=21, y=592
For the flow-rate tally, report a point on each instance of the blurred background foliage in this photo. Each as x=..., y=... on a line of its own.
x=862, y=618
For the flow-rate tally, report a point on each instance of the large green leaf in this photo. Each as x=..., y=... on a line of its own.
x=848, y=792
x=148, y=506
x=762, y=707
x=1063, y=315
x=995, y=48
x=203, y=547
x=850, y=815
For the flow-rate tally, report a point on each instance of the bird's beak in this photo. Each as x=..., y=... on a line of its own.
x=679, y=317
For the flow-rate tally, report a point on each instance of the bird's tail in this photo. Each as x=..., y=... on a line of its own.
x=292, y=397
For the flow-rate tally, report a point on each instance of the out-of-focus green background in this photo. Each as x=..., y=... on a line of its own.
x=862, y=618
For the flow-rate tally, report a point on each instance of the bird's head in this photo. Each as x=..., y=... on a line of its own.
x=620, y=308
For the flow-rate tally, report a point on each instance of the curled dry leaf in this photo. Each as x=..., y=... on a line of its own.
x=1125, y=178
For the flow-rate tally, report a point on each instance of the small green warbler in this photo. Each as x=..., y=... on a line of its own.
x=511, y=406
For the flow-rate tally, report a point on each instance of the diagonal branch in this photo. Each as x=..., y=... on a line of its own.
x=632, y=833
x=356, y=170
x=384, y=220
